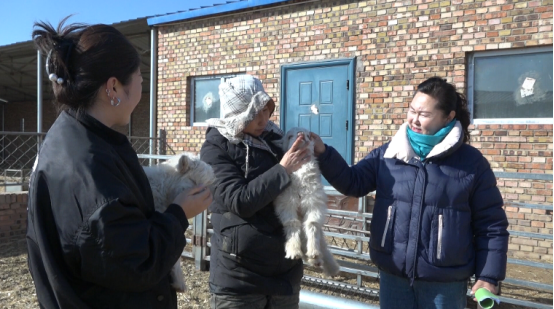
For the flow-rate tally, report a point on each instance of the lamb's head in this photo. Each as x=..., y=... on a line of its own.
x=292, y=134
x=190, y=166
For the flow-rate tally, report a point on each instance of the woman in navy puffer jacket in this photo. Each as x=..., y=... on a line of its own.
x=438, y=216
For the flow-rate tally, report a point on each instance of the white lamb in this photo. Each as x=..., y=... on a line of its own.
x=168, y=179
x=301, y=209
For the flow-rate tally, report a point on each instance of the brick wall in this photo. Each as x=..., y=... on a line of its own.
x=530, y=220
x=397, y=45
x=15, y=112
x=140, y=120
x=13, y=216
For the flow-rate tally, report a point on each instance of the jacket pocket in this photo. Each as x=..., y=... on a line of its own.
x=229, y=229
x=382, y=230
x=252, y=248
x=451, y=242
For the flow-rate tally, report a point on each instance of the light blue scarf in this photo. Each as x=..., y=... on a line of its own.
x=423, y=144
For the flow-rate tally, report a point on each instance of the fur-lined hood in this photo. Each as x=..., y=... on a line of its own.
x=401, y=149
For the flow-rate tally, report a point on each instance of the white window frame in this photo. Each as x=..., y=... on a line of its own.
x=193, y=80
x=471, y=80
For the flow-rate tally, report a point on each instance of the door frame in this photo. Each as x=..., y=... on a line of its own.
x=351, y=75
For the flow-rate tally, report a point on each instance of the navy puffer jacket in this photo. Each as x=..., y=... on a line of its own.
x=437, y=220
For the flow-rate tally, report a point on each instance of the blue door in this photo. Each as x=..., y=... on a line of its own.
x=319, y=97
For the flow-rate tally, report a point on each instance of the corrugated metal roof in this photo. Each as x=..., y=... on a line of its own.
x=18, y=63
x=229, y=6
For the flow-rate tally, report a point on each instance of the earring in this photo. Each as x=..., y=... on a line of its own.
x=112, y=102
x=108, y=92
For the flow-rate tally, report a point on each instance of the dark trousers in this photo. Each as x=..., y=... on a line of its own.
x=254, y=301
x=396, y=292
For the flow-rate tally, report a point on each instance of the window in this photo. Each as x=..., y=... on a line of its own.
x=511, y=86
x=205, y=98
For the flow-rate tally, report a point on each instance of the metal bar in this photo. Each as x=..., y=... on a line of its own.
x=524, y=303
x=345, y=229
x=523, y=176
x=199, y=250
x=346, y=236
x=148, y=156
x=530, y=264
x=355, y=268
x=350, y=253
x=40, y=73
x=352, y=214
x=22, y=133
x=312, y=300
x=531, y=284
x=532, y=206
x=153, y=71
x=341, y=285
x=529, y=234
x=162, y=141
x=3, y=127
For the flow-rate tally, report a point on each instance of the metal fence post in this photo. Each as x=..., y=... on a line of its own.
x=200, y=240
x=162, y=141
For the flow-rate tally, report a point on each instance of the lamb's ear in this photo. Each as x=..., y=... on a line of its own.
x=183, y=165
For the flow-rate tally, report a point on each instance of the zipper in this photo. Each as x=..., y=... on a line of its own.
x=386, y=227
x=439, y=242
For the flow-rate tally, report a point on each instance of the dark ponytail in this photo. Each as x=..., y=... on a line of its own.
x=84, y=57
x=448, y=100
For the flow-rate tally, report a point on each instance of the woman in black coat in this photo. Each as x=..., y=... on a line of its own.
x=247, y=262
x=93, y=237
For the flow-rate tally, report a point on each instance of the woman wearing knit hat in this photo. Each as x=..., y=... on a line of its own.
x=247, y=261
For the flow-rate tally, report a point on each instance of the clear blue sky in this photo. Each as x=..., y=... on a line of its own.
x=17, y=16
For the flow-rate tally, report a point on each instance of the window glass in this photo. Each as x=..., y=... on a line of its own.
x=512, y=86
x=206, y=99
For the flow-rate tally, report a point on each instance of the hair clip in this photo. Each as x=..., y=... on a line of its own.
x=52, y=76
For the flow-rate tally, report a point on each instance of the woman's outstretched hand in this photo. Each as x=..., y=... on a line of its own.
x=296, y=156
x=194, y=201
x=319, y=146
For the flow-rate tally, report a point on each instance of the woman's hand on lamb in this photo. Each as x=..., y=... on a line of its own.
x=319, y=146
x=296, y=156
x=194, y=200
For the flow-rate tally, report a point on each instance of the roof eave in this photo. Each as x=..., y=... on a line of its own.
x=212, y=10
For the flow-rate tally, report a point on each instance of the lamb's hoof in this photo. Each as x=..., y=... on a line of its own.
x=180, y=287
x=293, y=250
x=293, y=255
x=315, y=261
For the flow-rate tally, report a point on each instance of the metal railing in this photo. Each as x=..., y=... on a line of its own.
x=347, y=232
x=348, y=235
x=18, y=151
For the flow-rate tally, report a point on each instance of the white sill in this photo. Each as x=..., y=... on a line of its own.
x=514, y=121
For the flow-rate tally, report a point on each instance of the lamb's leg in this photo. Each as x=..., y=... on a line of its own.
x=330, y=265
x=293, y=246
x=312, y=228
x=314, y=204
x=177, y=277
x=287, y=212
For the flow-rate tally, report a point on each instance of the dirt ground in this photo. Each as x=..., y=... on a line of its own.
x=17, y=290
